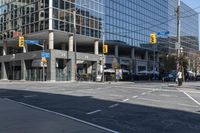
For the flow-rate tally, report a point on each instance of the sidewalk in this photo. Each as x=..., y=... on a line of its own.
x=18, y=118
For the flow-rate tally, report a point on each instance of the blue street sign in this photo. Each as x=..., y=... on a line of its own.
x=32, y=42
x=44, y=54
x=163, y=33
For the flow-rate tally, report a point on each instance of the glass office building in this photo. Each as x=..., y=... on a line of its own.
x=126, y=26
x=29, y=16
x=130, y=22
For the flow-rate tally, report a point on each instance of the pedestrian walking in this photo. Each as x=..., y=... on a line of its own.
x=180, y=78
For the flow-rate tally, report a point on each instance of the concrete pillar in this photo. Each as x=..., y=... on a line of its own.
x=146, y=55
x=157, y=57
x=4, y=75
x=51, y=68
x=132, y=69
x=132, y=53
x=51, y=40
x=50, y=14
x=71, y=40
x=71, y=69
x=96, y=47
x=4, y=48
x=23, y=70
x=116, y=51
x=95, y=70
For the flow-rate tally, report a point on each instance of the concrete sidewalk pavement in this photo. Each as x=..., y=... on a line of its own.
x=18, y=118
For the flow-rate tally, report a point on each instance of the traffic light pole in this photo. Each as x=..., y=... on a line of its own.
x=103, y=61
x=154, y=61
x=178, y=36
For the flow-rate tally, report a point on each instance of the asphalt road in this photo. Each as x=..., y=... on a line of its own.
x=123, y=107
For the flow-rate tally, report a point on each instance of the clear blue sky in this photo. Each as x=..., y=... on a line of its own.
x=194, y=4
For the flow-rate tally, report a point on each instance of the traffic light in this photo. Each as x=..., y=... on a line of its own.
x=153, y=39
x=105, y=48
x=100, y=62
x=21, y=41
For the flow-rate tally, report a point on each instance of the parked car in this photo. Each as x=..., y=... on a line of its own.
x=198, y=78
x=169, y=77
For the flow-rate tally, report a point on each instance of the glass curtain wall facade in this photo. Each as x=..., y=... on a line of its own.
x=130, y=22
x=89, y=14
x=189, y=28
x=26, y=16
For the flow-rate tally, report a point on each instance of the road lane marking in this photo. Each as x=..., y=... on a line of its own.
x=165, y=95
x=148, y=99
x=134, y=96
x=114, y=105
x=191, y=98
x=144, y=93
x=93, y=112
x=114, y=95
x=125, y=100
x=63, y=115
x=187, y=105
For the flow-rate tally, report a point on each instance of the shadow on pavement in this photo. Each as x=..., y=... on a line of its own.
x=125, y=118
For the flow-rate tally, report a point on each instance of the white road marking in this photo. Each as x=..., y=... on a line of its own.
x=113, y=95
x=191, y=98
x=125, y=100
x=93, y=112
x=66, y=116
x=165, y=95
x=187, y=105
x=148, y=99
x=134, y=96
x=144, y=93
x=114, y=105
x=30, y=96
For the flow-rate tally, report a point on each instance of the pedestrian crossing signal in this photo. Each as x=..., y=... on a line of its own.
x=21, y=41
x=105, y=49
x=153, y=39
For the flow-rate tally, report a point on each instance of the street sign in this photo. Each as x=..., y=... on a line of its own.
x=45, y=55
x=32, y=42
x=153, y=38
x=163, y=33
x=21, y=41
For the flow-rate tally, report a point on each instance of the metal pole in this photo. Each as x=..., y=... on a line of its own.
x=74, y=14
x=178, y=35
x=43, y=70
x=103, y=63
x=154, y=63
x=13, y=70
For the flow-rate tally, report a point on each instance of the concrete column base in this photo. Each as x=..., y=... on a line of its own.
x=3, y=72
